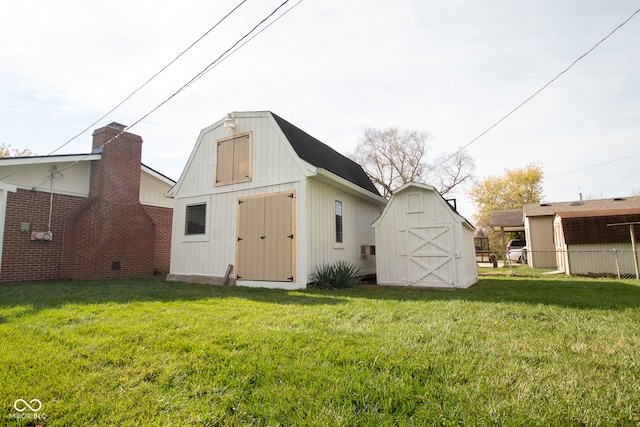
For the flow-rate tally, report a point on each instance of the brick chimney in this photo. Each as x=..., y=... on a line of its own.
x=116, y=177
x=111, y=235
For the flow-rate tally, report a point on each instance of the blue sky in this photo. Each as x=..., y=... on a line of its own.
x=336, y=68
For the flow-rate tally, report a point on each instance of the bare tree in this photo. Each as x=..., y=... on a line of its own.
x=451, y=171
x=392, y=158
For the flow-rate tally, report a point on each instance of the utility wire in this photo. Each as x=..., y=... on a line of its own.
x=208, y=68
x=154, y=76
x=593, y=166
x=539, y=90
x=633, y=172
x=139, y=88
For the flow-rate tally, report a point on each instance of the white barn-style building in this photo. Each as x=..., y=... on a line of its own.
x=261, y=203
x=422, y=241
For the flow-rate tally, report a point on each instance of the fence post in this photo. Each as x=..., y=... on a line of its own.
x=615, y=253
x=635, y=252
x=633, y=244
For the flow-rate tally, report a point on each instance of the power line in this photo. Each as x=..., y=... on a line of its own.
x=539, y=90
x=152, y=77
x=208, y=68
x=139, y=88
x=593, y=166
x=633, y=172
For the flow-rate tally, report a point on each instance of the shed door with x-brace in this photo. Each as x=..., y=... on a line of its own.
x=430, y=255
x=265, y=248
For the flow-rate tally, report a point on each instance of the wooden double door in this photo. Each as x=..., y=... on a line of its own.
x=265, y=249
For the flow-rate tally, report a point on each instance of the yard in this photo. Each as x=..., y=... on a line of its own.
x=508, y=351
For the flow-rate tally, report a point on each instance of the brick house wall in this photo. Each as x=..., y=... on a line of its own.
x=25, y=259
x=110, y=234
x=163, y=219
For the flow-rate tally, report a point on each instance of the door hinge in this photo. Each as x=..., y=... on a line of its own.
x=240, y=238
x=290, y=236
x=290, y=279
x=291, y=196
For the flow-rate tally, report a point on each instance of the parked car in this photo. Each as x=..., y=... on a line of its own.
x=515, y=250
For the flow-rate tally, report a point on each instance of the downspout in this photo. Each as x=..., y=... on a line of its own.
x=54, y=169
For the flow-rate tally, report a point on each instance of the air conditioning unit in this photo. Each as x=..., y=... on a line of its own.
x=46, y=236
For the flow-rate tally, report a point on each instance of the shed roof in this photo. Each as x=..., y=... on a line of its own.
x=593, y=227
x=322, y=156
x=507, y=220
x=423, y=187
x=550, y=208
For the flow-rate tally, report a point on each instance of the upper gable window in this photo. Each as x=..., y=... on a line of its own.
x=233, y=159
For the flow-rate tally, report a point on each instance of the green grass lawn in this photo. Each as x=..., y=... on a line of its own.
x=508, y=351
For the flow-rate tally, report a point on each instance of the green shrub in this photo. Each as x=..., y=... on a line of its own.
x=339, y=275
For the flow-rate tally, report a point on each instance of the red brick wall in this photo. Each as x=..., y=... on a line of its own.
x=163, y=219
x=108, y=240
x=24, y=259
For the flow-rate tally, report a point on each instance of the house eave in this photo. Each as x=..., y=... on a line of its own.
x=324, y=174
x=158, y=175
x=31, y=160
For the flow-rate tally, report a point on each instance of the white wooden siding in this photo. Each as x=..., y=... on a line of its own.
x=153, y=191
x=73, y=181
x=4, y=189
x=211, y=253
x=274, y=160
x=357, y=217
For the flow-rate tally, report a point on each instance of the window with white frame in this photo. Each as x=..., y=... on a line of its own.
x=338, y=211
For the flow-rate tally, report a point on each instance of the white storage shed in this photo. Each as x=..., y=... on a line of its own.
x=261, y=203
x=422, y=241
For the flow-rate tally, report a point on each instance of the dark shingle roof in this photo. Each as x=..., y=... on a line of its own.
x=321, y=155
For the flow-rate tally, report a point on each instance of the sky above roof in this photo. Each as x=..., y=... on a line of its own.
x=335, y=68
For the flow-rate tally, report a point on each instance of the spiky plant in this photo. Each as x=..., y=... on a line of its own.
x=338, y=275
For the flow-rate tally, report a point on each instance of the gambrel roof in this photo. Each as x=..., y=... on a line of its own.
x=322, y=156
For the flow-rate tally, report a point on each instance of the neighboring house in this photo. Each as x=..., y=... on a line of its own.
x=539, y=224
x=583, y=237
x=262, y=203
x=422, y=241
x=84, y=216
